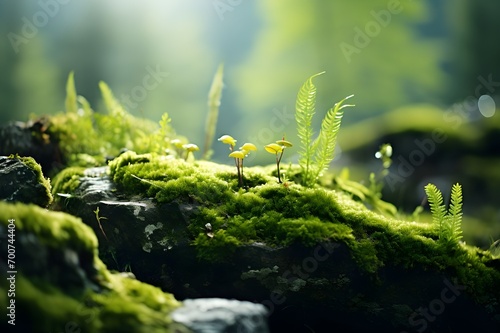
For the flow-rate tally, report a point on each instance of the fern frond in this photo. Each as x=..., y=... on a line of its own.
x=214, y=98
x=438, y=210
x=455, y=214
x=327, y=138
x=449, y=223
x=305, y=105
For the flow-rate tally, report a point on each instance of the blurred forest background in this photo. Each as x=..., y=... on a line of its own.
x=418, y=56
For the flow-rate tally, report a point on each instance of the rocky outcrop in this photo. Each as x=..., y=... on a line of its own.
x=336, y=284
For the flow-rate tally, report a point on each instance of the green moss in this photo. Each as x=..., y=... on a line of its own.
x=33, y=165
x=88, y=138
x=54, y=229
x=67, y=180
x=214, y=249
x=46, y=308
x=167, y=179
x=116, y=304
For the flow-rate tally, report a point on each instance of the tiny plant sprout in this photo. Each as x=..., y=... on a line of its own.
x=178, y=146
x=278, y=148
x=246, y=149
x=238, y=156
x=189, y=147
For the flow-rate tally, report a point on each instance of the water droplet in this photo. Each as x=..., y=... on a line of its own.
x=486, y=105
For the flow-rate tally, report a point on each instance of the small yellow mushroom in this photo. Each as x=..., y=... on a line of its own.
x=274, y=148
x=190, y=147
x=227, y=139
x=237, y=154
x=278, y=149
x=284, y=143
x=177, y=143
x=248, y=147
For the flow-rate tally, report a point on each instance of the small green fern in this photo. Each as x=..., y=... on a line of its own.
x=315, y=156
x=448, y=222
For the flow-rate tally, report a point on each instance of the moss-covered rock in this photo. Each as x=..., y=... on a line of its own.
x=23, y=181
x=189, y=228
x=61, y=284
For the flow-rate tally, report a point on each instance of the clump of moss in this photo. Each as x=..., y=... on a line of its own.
x=114, y=304
x=67, y=180
x=284, y=214
x=168, y=179
x=87, y=138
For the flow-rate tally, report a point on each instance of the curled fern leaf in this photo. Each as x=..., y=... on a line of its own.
x=305, y=105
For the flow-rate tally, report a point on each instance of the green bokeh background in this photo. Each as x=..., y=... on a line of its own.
x=425, y=52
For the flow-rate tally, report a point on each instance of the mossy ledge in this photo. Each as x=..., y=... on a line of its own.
x=62, y=285
x=278, y=215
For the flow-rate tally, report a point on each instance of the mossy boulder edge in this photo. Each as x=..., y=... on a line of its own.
x=61, y=283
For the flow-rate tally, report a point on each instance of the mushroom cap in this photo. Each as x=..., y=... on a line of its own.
x=237, y=154
x=248, y=147
x=227, y=139
x=273, y=148
x=190, y=147
x=284, y=143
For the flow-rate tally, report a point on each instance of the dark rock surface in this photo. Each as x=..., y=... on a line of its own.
x=21, y=180
x=306, y=288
